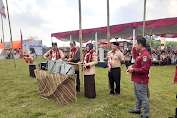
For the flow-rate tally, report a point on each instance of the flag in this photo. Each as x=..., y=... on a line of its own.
x=2, y=9
x=21, y=39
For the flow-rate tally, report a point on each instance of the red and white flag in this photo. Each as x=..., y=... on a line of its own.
x=2, y=9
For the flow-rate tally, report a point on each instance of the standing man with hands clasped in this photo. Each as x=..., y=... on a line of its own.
x=115, y=59
x=140, y=77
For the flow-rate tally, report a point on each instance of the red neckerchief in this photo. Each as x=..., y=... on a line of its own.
x=114, y=52
x=73, y=54
x=89, y=57
x=57, y=54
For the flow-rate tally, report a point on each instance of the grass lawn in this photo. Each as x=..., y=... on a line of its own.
x=18, y=89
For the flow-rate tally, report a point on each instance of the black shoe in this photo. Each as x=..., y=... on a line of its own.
x=143, y=117
x=111, y=93
x=133, y=111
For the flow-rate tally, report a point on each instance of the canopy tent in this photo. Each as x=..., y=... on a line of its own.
x=16, y=44
x=121, y=44
x=163, y=27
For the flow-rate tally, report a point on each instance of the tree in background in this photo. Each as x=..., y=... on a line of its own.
x=171, y=44
x=33, y=38
x=155, y=40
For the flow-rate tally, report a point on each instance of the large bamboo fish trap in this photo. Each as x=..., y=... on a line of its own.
x=56, y=87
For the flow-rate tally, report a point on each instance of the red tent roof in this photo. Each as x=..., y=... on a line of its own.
x=160, y=27
x=16, y=44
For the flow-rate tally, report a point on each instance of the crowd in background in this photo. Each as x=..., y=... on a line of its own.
x=166, y=56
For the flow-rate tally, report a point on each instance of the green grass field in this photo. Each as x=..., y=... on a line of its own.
x=18, y=89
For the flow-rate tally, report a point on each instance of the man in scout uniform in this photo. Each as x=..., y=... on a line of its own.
x=74, y=56
x=140, y=77
x=115, y=59
x=54, y=53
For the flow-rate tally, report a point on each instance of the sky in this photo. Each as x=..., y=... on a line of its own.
x=40, y=18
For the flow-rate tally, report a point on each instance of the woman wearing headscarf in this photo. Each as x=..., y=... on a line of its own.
x=90, y=60
x=32, y=62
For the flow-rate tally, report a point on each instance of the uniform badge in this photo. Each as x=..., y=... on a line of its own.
x=144, y=58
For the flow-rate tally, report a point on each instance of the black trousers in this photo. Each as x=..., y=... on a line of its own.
x=31, y=70
x=127, y=64
x=78, y=81
x=114, y=76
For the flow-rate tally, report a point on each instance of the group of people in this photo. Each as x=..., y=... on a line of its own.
x=115, y=57
x=73, y=55
x=139, y=70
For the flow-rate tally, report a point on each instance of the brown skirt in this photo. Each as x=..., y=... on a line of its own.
x=89, y=86
x=31, y=70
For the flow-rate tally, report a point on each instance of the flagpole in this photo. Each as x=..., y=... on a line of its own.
x=3, y=40
x=10, y=34
x=21, y=40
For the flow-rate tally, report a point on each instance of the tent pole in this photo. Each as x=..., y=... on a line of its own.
x=133, y=37
x=80, y=39
x=70, y=38
x=96, y=43
x=144, y=16
x=108, y=27
x=51, y=40
x=3, y=40
x=133, y=43
x=10, y=34
x=150, y=41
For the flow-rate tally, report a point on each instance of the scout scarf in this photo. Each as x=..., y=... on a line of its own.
x=73, y=53
x=110, y=62
x=54, y=56
x=88, y=58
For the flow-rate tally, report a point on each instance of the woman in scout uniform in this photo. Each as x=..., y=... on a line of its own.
x=32, y=62
x=90, y=60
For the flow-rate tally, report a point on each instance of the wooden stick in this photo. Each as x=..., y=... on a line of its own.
x=3, y=40
x=144, y=16
x=10, y=34
x=80, y=38
x=108, y=27
x=108, y=32
x=75, y=63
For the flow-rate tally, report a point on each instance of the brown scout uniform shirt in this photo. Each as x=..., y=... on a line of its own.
x=117, y=58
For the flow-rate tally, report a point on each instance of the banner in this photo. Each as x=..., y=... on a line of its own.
x=36, y=44
x=7, y=45
x=2, y=53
